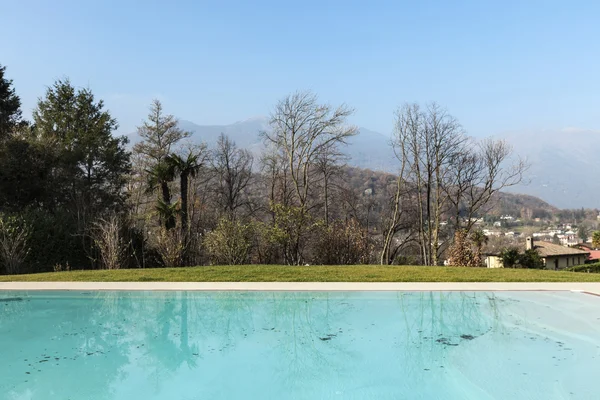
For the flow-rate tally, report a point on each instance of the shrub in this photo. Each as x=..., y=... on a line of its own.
x=509, y=257
x=291, y=231
x=14, y=243
x=593, y=268
x=531, y=259
x=265, y=248
x=108, y=237
x=230, y=242
x=170, y=245
x=343, y=243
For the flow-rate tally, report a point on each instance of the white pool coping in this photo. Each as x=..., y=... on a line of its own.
x=592, y=288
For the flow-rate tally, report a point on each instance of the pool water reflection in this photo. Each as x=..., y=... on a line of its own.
x=299, y=345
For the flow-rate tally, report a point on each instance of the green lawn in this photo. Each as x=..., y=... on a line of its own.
x=280, y=273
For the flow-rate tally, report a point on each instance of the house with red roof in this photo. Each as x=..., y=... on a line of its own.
x=594, y=253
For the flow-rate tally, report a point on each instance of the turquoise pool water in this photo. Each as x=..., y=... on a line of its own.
x=299, y=345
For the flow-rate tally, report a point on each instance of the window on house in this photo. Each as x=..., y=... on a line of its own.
x=567, y=261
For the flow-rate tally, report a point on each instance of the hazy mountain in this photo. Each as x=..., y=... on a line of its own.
x=245, y=133
x=562, y=166
x=368, y=149
x=562, y=162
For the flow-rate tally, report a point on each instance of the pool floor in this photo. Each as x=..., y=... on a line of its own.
x=299, y=345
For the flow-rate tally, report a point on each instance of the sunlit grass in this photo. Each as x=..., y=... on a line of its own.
x=281, y=273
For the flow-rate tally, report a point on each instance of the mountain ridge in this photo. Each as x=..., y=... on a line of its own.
x=560, y=160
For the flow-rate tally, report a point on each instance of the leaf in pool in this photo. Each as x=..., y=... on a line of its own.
x=446, y=342
x=10, y=299
x=467, y=337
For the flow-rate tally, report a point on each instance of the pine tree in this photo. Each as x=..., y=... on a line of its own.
x=159, y=134
x=92, y=163
x=10, y=106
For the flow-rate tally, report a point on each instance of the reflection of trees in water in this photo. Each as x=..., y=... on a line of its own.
x=159, y=333
x=310, y=347
x=57, y=338
x=186, y=327
x=436, y=322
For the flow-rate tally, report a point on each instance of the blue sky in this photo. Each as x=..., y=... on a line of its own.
x=496, y=65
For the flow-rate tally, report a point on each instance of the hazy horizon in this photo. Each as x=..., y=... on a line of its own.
x=508, y=67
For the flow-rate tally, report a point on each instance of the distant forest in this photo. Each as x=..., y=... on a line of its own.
x=75, y=196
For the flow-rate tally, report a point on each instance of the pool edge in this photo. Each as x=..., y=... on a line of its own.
x=584, y=287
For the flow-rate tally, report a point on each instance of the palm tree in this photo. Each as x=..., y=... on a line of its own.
x=167, y=213
x=186, y=167
x=160, y=176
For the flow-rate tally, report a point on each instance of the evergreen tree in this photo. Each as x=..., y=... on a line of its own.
x=24, y=175
x=596, y=239
x=10, y=106
x=583, y=233
x=91, y=162
x=159, y=134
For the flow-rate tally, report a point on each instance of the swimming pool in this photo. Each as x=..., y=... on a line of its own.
x=299, y=345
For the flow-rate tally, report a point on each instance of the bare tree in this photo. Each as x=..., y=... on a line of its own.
x=450, y=172
x=501, y=169
x=466, y=168
x=478, y=172
x=398, y=227
x=302, y=129
x=426, y=140
x=276, y=175
x=232, y=168
x=328, y=164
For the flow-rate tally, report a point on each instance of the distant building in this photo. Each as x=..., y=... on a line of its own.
x=568, y=239
x=487, y=232
x=553, y=255
x=594, y=252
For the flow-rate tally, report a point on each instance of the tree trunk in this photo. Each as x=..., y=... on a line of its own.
x=389, y=234
x=326, y=201
x=166, y=195
x=184, y=204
